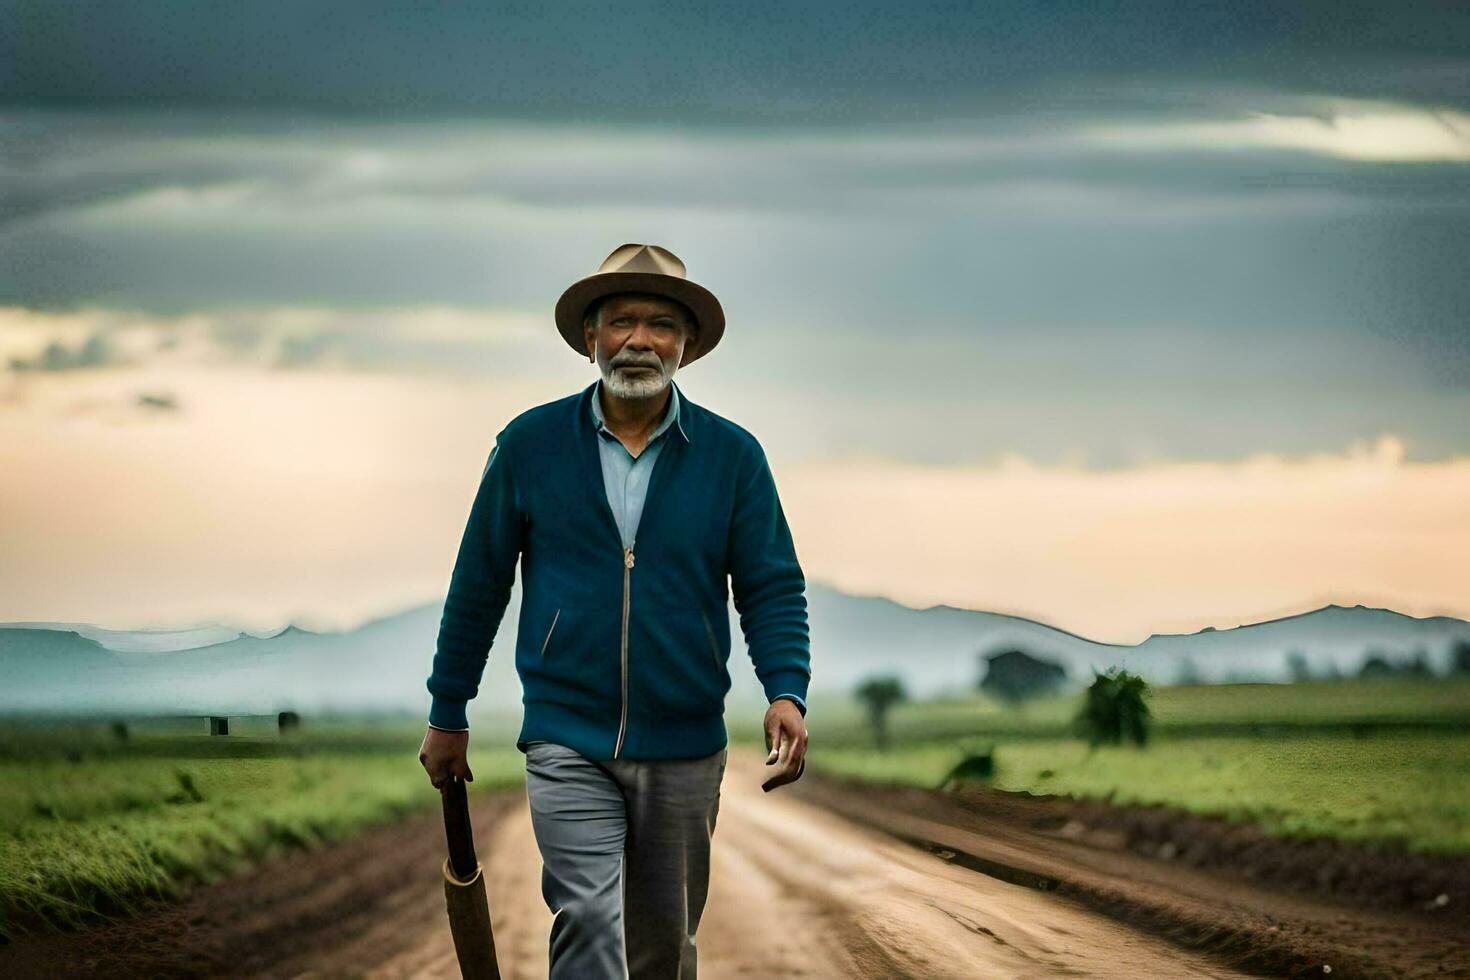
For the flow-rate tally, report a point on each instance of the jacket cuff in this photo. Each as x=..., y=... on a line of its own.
x=448, y=713
x=788, y=681
x=800, y=702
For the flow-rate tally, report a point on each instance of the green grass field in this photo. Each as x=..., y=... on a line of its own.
x=1377, y=762
x=1398, y=788
x=90, y=826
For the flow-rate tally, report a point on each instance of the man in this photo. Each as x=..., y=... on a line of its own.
x=630, y=509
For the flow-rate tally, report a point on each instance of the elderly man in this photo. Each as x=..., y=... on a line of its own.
x=630, y=509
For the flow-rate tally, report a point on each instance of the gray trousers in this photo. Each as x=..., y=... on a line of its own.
x=625, y=849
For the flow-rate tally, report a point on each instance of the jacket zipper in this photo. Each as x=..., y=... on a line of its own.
x=627, y=575
x=548, y=632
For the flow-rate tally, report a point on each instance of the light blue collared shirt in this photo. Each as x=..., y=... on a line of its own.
x=625, y=476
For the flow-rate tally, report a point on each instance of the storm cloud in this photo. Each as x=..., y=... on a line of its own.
x=1135, y=232
x=727, y=62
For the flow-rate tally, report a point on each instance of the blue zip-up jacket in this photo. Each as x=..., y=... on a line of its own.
x=623, y=653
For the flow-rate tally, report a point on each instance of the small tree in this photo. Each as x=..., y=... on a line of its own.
x=1115, y=709
x=1419, y=665
x=1189, y=674
x=1460, y=657
x=1015, y=676
x=1298, y=666
x=878, y=694
x=1377, y=664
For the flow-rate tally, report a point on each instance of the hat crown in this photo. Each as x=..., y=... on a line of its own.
x=635, y=267
x=636, y=257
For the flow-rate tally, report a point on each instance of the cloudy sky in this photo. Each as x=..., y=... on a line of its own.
x=1130, y=321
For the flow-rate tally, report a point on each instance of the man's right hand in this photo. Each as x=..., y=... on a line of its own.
x=443, y=755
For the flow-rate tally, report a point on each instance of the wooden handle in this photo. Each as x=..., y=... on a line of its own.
x=462, y=860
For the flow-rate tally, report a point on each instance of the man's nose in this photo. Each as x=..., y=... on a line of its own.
x=642, y=336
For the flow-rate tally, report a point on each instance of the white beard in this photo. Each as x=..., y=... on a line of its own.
x=635, y=388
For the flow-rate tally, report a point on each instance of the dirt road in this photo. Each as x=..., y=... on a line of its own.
x=796, y=891
x=800, y=892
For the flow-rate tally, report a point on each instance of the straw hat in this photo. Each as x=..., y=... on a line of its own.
x=636, y=268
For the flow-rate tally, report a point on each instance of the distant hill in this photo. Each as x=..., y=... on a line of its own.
x=936, y=648
x=83, y=668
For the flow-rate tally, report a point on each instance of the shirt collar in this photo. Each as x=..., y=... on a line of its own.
x=671, y=416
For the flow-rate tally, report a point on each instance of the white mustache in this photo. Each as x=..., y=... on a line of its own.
x=630, y=362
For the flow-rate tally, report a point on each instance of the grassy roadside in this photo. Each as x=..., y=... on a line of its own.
x=1381, y=763
x=91, y=826
x=1399, y=789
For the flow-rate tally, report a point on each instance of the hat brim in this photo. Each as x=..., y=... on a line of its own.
x=572, y=306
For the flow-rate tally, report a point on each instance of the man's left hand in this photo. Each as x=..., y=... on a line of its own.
x=786, y=739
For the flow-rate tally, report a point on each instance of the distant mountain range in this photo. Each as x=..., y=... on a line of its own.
x=382, y=665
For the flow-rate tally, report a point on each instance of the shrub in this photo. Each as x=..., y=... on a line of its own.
x=878, y=694
x=1115, y=709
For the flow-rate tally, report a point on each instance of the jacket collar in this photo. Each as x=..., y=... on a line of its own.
x=685, y=417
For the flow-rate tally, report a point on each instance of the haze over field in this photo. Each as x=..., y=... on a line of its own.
x=69, y=668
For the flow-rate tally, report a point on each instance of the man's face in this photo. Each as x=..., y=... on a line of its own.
x=639, y=343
